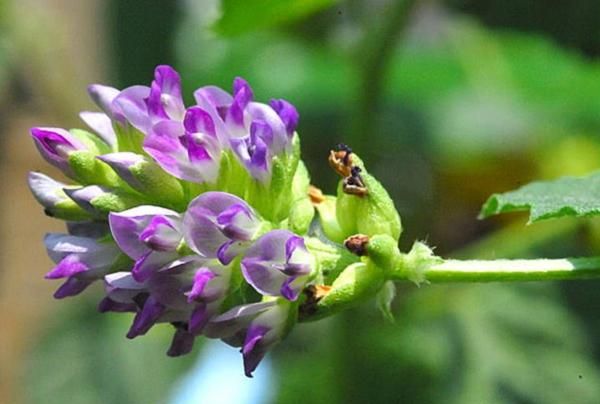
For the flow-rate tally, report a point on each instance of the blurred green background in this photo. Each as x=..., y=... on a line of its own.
x=446, y=101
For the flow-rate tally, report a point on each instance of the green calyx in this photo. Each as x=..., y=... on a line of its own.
x=161, y=188
x=129, y=139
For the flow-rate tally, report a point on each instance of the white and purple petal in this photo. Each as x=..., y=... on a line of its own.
x=277, y=264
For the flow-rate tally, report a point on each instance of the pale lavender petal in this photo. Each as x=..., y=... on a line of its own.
x=234, y=320
x=264, y=113
x=273, y=259
x=131, y=103
x=85, y=195
x=205, y=234
x=216, y=102
x=263, y=277
x=101, y=124
x=103, y=96
x=82, y=256
x=127, y=226
x=122, y=288
x=47, y=191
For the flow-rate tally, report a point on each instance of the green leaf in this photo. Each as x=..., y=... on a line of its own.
x=240, y=16
x=567, y=196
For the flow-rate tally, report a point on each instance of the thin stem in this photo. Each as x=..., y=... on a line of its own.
x=373, y=58
x=509, y=270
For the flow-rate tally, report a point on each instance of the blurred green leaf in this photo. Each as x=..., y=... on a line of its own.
x=567, y=196
x=240, y=16
x=85, y=358
x=451, y=344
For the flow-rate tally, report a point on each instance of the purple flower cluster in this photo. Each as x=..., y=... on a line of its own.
x=201, y=259
x=183, y=271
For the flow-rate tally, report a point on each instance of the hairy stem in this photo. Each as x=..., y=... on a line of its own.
x=507, y=270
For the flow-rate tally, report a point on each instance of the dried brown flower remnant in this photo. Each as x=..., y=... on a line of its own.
x=357, y=244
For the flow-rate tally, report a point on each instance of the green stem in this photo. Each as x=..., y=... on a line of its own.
x=507, y=270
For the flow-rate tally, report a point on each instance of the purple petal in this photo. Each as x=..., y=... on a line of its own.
x=160, y=234
x=150, y=263
x=55, y=145
x=73, y=286
x=252, y=152
x=198, y=120
x=253, y=351
x=192, y=157
x=183, y=342
x=242, y=96
x=231, y=249
x=83, y=256
x=165, y=100
x=199, y=319
x=68, y=266
x=146, y=318
x=101, y=124
x=201, y=279
x=288, y=114
x=107, y=304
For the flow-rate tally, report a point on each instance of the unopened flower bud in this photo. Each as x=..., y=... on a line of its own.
x=50, y=194
x=146, y=177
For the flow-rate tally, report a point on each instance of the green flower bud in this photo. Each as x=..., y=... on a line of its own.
x=358, y=282
x=145, y=176
x=328, y=219
x=301, y=216
x=100, y=201
x=366, y=208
